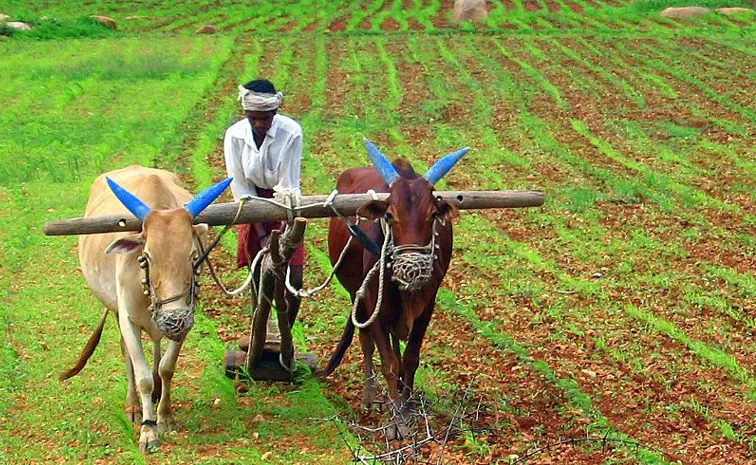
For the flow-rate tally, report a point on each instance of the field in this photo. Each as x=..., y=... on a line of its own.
x=623, y=309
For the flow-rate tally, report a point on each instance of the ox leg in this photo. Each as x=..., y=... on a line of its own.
x=148, y=437
x=398, y=351
x=166, y=423
x=133, y=409
x=390, y=367
x=368, y=369
x=155, y=372
x=411, y=358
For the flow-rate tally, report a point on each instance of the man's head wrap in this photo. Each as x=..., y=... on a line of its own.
x=259, y=101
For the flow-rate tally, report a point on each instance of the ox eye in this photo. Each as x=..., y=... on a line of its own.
x=389, y=217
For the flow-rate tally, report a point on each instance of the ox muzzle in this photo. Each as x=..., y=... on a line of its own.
x=174, y=322
x=412, y=264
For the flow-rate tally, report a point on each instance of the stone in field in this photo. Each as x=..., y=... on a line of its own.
x=685, y=11
x=734, y=10
x=109, y=22
x=207, y=29
x=470, y=9
x=4, y=17
x=18, y=25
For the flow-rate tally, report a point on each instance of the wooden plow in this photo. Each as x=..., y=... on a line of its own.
x=270, y=354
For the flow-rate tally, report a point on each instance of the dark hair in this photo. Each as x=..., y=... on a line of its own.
x=261, y=85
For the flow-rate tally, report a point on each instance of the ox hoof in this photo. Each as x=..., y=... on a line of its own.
x=397, y=431
x=149, y=447
x=370, y=399
x=148, y=439
x=368, y=404
x=166, y=425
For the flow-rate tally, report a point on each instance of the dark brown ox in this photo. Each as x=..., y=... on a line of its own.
x=147, y=279
x=418, y=253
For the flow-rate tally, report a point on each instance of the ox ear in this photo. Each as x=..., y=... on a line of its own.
x=447, y=210
x=201, y=231
x=373, y=210
x=126, y=244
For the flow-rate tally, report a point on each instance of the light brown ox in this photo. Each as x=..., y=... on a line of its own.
x=114, y=268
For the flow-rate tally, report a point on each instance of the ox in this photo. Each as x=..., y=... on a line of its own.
x=418, y=251
x=148, y=279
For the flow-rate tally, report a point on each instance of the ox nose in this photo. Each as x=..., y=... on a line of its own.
x=176, y=323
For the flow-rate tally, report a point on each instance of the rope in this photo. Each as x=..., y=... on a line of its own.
x=306, y=294
x=309, y=293
x=206, y=256
x=381, y=266
x=300, y=293
x=290, y=214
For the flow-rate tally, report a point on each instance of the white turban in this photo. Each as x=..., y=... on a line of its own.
x=259, y=101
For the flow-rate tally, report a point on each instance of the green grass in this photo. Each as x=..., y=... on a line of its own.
x=51, y=28
x=98, y=104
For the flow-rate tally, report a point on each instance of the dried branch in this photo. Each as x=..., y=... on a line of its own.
x=604, y=440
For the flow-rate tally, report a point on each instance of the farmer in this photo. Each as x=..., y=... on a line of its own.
x=263, y=154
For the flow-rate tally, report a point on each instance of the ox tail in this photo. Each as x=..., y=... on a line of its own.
x=89, y=349
x=338, y=354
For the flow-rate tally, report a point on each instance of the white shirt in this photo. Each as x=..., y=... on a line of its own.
x=276, y=164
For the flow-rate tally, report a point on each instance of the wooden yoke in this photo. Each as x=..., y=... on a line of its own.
x=273, y=267
x=312, y=206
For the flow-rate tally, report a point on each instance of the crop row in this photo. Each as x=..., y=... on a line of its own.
x=357, y=118
x=377, y=16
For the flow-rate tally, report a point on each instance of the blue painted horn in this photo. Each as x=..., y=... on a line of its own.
x=441, y=167
x=129, y=200
x=206, y=197
x=381, y=163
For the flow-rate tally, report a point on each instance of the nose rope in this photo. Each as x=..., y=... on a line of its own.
x=157, y=303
